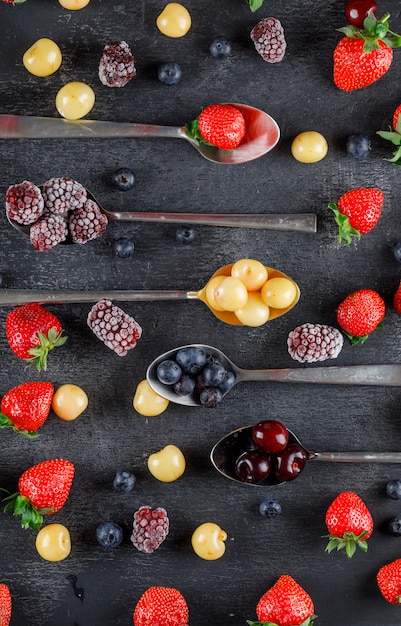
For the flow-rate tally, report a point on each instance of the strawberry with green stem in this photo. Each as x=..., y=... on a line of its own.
x=394, y=136
x=349, y=523
x=220, y=125
x=357, y=212
x=360, y=313
x=26, y=407
x=285, y=604
x=5, y=605
x=389, y=581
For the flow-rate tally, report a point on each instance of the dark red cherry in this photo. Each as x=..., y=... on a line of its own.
x=252, y=466
x=290, y=463
x=270, y=435
x=356, y=11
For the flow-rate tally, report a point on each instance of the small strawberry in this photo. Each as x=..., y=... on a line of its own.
x=161, y=606
x=394, y=136
x=5, y=605
x=285, y=604
x=364, y=55
x=220, y=125
x=389, y=581
x=360, y=313
x=14, y=2
x=32, y=332
x=397, y=300
x=26, y=407
x=357, y=212
x=42, y=490
x=349, y=523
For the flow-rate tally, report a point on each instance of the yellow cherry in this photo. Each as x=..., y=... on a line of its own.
x=255, y=312
x=208, y=541
x=69, y=401
x=309, y=147
x=148, y=402
x=210, y=289
x=43, y=57
x=279, y=292
x=73, y=5
x=53, y=542
x=75, y=100
x=251, y=272
x=174, y=20
x=167, y=465
x=231, y=294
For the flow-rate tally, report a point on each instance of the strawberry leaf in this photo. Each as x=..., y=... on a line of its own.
x=5, y=422
x=391, y=135
x=255, y=4
x=48, y=342
x=345, y=230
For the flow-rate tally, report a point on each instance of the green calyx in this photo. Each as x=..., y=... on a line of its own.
x=39, y=354
x=31, y=517
x=345, y=230
x=355, y=340
x=6, y=422
x=309, y=620
x=373, y=31
x=394, y=136
x=193, y=132
x=253, y=4
x=348, y=542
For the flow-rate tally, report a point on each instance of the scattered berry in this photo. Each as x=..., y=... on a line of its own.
x=24, y=202
x=220, y=48
x=358, y=146
x=123, y=179
x=26, y=407
x=124, y=248
x=185, y=234
x=221, y=125
x=270, y=508
x=63, y=194
x=150, y=528
x=389, y=581
x=392, y=526
x=349, y=523
x=118, y=331
x=397, y=251
x=360, y=313
x=5, y=596
x=309, y=343
x=87, y=223
x=109, y=534
x=268, y=37
x=163, y=606
x=393, y=489
x=397, y=300
x=169, y=73
x=285, y=603
x=124, y=481
x=357, y=212
x=48, y=231
x=117, y=64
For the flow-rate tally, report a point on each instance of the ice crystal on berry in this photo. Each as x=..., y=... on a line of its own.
x=48, y=231
x=63, y=194
x=269, y=40
x=314, y=342
x=150, y=528
x=87, y=223
x=118, y=330
x=117, y=64
x=24, y=202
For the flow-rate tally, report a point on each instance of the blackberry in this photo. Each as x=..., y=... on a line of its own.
x=314, y=342
x=114, y=327
x=150, y=528
x=117, y=64
x=48, y=231
x=169, y=73
x=87, y=223
x=269, y=40
x=63, y=194
x=24, y=203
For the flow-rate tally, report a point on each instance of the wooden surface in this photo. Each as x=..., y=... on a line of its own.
x=171, y=176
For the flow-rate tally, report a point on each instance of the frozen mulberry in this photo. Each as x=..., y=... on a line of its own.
x=87, y=223
x=314, y=342
x=48, y=231
x=150, y=528
x=24, y=203
x=63, y=194
x=118, y=330
x=268, y=37
x=117, y=64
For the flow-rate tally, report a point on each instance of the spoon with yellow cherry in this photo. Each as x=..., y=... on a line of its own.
x=269, y=454
x=261, y=135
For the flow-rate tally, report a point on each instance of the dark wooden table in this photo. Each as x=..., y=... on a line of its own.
x=170, y=176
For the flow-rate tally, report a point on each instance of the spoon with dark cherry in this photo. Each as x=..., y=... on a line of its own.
x=269, y=454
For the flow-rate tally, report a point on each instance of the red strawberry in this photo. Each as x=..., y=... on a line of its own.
x=394, y=136
x=397, y=300
x=285, y=604
x=5, y=605
x=221, y=125
x=26, y=407
x=357, y=212
x=161, y=606
x=42, y=490
x=32, y=332
x=349, y=523
x=14, y=2
x=360, y=313
x=389, y=581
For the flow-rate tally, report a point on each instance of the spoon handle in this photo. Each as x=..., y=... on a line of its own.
x=356, y=457
x=14, y=297
x=388, y=375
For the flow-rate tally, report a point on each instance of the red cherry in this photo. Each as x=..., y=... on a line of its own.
x=356, y=11
x=252, y=466
x=290, y=462
x=270, y=435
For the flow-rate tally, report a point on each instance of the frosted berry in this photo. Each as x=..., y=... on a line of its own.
x=314, y=342
x=63, y=194
x=169, y=73
x=150, y=528
x=220, y=48
x=87, y=223
x=269, y=40
x=117, y=64
x=123, y=179
x=114, y=327
x=48, y=231
x=24, y=202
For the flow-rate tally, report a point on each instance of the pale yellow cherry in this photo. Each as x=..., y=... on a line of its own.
x=74, y=5
x=75, y=100
x=208, y=541
x=309, y=147
x=255, y=312
x=210, y=289
x=43, y=57
x=174, y=20
x=147, y=402
x=279, y=292
x=168, y=464
x=251, y=272
x=53, y=542
x=231, y=294
x=69, y=401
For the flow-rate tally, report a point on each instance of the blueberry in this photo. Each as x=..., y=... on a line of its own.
x=393, y=526
x=393, y=489
x=109, y=534
x=124, y=481
x=397, y=251
x=220, y=48
x=214, y=374
x=185, y=386
x=228, y=382
x=123, y=179
x=123, y=248
x=168, y=372
x=270, y=508
x=358, y=146
x=169, y=73
x=210, y=397
x=191, y=360
x=185, y=234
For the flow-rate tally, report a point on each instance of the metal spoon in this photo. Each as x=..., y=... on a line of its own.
x=21, y=296
x=262, y=133
x=383, y=375
x=226, y=451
